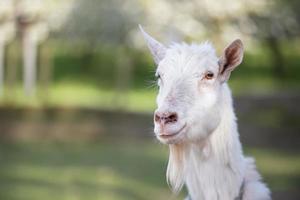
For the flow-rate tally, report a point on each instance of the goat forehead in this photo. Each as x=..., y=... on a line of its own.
x=183, y=59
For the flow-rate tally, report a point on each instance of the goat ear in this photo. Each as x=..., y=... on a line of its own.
x=231, y=58
x=157, y=49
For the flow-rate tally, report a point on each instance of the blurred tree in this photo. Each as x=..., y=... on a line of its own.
x=30, y=17
x=280, y=21
x=106, y=23
x=7, y=34
x=268, y=21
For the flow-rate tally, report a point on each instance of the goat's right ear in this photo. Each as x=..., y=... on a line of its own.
x=231, y=58
x=157, y=49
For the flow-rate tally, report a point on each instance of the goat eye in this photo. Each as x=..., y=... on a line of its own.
x=209, y=75
x=158, y=78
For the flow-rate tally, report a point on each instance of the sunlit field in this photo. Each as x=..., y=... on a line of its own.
x=112, y=169
x=78, y=94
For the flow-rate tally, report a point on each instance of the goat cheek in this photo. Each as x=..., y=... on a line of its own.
x=202, y=88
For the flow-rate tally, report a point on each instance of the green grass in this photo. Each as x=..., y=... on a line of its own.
x=104, y=170
x=87, y=95
x=111, y=169
x=74, y=94
x=84, y=76
x=280, y=169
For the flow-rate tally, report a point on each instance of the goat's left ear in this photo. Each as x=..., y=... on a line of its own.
x=231, y=58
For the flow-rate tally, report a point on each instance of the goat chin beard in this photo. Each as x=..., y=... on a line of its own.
x=175, y=169
x=177, y=158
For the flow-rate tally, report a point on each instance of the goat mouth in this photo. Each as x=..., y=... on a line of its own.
x=167, y=136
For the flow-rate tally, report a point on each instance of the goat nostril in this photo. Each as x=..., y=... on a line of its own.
x=172, y=118
x=165, y=118
x=157, y=118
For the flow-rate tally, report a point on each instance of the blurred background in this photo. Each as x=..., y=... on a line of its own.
x=77, y=93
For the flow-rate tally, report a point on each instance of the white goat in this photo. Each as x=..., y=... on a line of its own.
x=195, y=117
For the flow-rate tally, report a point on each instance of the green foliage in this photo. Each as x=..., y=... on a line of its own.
x=99, y=65
x=90, y=75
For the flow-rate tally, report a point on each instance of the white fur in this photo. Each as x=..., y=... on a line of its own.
x=205, y=151
x=216, y=169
